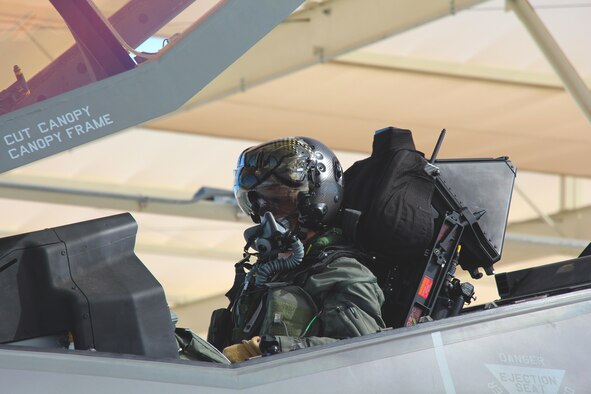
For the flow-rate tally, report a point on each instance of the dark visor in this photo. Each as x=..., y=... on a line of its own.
x=286, y=160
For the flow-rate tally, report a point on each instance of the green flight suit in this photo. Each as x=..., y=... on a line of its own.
x=309, y=307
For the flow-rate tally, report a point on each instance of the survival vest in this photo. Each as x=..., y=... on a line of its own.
x=256, y=311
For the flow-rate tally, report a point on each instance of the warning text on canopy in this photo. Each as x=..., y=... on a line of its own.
x=54, y=131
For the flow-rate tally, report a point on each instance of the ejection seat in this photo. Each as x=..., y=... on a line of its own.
x=470, y=207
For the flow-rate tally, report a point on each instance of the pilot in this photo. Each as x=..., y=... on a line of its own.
x=307, y=286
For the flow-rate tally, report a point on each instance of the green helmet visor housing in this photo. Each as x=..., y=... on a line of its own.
x=284, y=177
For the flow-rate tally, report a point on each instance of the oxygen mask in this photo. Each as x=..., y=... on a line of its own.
x=268, y=236
x=269, y=239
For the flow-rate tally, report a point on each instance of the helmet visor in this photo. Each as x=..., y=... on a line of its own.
x=280, y=200
x=269, y=177
x=287, y=160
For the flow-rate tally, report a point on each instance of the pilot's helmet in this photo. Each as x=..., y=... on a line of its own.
x=298, y=179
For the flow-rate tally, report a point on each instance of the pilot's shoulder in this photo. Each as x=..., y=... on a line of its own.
x=343, y=268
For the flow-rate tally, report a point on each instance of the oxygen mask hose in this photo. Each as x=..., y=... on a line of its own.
x=269, y=238
x=266, y=270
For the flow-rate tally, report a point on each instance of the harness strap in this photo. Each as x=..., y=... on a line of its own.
x=253, y=319
x=240, y=275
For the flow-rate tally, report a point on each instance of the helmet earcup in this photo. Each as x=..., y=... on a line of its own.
x=312, y=214
x=320, y=206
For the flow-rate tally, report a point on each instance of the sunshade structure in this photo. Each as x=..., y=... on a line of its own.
x=336, y=71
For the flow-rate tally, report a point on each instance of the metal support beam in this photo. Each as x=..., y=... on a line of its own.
x=194, y=250
x=573, y=83
x=195, y=208
x=435, y=67
x=547, y=219
x=568, y=243
x=319, y=33
x=571, y=193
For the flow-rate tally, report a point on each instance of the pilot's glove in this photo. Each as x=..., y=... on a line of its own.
x=243, y=351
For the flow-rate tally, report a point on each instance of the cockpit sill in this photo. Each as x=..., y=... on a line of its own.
x=474, y=322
